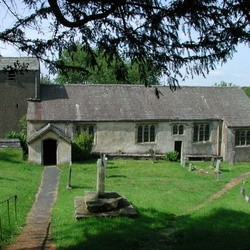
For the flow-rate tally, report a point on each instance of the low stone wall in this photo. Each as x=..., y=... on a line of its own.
x=10, y=143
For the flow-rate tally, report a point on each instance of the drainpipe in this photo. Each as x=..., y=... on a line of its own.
x=37, y=84
x=219, y=139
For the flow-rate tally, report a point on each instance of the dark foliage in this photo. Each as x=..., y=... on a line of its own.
x=172, y=35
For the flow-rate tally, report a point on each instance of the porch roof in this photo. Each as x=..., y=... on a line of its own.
x=49, y=127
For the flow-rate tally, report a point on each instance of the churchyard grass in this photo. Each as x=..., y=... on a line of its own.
x=20, y=178
x=173, y=207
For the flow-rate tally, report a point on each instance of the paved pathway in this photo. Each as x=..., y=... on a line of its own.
x=35, y=235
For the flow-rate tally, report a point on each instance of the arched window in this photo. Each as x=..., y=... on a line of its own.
x=152, y=133
x=201, y=132
x=196, y=131
x=178, y=129
x=207, y=132
x=139, y=134
x=181, y=129
x=242, y=138
x=175, y=129
x=248, y=138
x=237, y=138
x=145, y=133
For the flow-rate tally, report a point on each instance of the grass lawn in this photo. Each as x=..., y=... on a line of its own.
x=169, y=200
x=16, y=178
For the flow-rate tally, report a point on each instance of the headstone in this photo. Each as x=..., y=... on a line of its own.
x=190, y=167
x=218, y=176
x=69, y=180
x=232, y=159
x=184, y=162
x=100, y=186
x=242, y=191
x=247, y=198
x=218, y=163
x=212, y=162
x=152, y=155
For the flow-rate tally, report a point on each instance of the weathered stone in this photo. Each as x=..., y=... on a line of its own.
x=100, y=185
x=97, y=205
x=123, y=207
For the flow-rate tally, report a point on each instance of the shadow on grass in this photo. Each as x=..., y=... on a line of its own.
x=9, y=156
x=117, y=176
x=223, y=229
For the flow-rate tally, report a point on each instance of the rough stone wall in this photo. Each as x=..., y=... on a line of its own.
x=13, y=99
x=121, y=137
x=10, y=143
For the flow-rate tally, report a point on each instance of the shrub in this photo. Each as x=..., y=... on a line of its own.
x=22, y=136
x=82, y=146
x=171, y=156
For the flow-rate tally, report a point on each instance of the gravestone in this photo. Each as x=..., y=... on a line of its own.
x=70, y=173
x=212, y=162
x=217, y=170
x=242, y=191
x=232, y=159
x=218, y=163
x=190, y=167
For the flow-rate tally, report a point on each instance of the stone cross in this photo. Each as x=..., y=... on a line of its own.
x=100, y=186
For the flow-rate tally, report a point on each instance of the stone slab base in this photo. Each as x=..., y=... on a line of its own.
x=81, y=211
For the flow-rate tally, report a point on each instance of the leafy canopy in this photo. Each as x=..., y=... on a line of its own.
x=170, y=35
x=114, y=71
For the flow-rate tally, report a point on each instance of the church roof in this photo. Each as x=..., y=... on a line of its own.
x=93, y=103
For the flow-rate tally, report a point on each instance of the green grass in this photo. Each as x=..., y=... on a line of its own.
x=169, y=200
x=16, y=178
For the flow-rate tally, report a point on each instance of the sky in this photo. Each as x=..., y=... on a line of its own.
x=236, y=70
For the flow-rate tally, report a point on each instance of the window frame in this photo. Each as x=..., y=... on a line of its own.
x=89, y=128
x=145, y=133
x=242, y=137
x=178, y=129
x=201, y=132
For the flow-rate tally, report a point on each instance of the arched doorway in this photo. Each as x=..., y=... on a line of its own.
x=49, y=152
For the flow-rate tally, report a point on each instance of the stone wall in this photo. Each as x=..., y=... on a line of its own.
x=10, y=143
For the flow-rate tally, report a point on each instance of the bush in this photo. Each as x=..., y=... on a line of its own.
x=82, y=146
x=171, y=156
x=22, y=136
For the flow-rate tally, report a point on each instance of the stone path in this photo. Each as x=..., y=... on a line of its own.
x=235, y=181
x=35, y=235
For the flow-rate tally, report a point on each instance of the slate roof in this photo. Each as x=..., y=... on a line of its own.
x=49, y=127
x=93, y=103
x=32, y=61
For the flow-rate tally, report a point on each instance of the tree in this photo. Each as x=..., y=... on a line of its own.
x=224, y=84
x=247, y=91
x=170, y=35
x=113, y=72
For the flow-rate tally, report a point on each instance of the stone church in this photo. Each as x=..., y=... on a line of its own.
x=131, y=120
